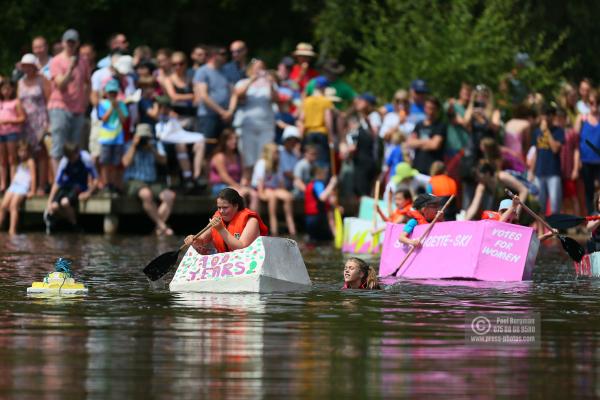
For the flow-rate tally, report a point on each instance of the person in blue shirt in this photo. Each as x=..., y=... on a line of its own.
x=140, y=174
x=548, y=140
x=71, y=185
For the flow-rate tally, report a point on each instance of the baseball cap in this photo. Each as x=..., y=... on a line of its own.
x=112, y=86
x=369, y=98
x=321, y=82
x=287, y=61
x=29, y=59
x=290, y=132
x=419, y=86
x=143, y=130
x=425, y=200
x=70, y=35
x=505, y=204
x=124, y=65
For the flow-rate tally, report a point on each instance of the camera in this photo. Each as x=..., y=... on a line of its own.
x=144, y=140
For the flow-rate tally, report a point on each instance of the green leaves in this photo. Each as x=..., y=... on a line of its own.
x=441, y=41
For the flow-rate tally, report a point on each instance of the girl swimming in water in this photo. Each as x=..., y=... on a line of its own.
x=359, y=275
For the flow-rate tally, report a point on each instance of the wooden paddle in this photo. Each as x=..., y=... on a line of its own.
x=424, y=235
x=573, y=249
x=338, y=238
x=375, y=203
x=162, y=264
x=566, y=221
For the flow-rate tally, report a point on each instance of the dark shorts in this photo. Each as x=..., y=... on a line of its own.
x=134, y=187
x=70, y=193
x=11, y=137
x=210, y=126
x=111, y=154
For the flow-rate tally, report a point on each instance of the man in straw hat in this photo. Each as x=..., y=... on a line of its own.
x=302, y=72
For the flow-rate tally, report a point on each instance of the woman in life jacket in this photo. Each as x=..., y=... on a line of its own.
x=234, y=226
x=424, y=210
x=359, y=275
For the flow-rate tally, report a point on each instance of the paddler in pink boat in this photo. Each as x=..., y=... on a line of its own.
x=425, y=208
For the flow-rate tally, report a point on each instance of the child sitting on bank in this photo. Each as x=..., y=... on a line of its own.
x=403, y=202
x=23, y=185
x=316, y=205
x=359, y=275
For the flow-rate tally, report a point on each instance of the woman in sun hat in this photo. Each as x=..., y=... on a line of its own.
x=33, y=90
x=302, y=72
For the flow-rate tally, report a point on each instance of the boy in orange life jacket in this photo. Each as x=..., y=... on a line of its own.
x=424, y=210
x=316, y=207
x=403, y=201
x=443, y=186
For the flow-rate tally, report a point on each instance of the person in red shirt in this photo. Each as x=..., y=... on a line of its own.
x=234, y=226
x=403, y=202
x=302, y=72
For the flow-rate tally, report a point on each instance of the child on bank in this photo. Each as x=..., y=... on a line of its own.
x=113, y=115
x=12, y=118
x=359, y=275
x=403, y=202
x=316, y=205
x=22, y=185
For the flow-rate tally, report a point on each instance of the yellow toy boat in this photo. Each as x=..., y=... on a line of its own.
x=58, y=282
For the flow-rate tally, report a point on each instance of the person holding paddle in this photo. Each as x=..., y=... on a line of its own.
x=425, y=209
x=233, y=225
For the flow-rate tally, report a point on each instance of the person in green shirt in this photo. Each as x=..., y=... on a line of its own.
x=457, y=135
x=331, y=71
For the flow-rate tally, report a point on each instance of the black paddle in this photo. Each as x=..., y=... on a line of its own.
x=593, y=147
x=162, y=264
x=573, y=249
x=566, y=221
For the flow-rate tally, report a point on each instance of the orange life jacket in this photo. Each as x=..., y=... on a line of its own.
x=443, y=185
x=235, y=227
x=400, y=213
x=418, y=216
x=493, y=215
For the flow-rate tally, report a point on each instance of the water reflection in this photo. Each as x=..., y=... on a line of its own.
x=127, y=340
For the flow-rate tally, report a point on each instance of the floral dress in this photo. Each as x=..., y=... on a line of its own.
x=34, y=104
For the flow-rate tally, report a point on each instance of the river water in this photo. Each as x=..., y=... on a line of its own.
x=125, y=340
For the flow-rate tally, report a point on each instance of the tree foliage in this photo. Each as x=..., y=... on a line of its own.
x=444, y=42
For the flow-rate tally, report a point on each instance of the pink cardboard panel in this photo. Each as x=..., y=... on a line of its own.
x=462, y=249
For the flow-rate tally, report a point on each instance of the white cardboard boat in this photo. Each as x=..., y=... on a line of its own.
x=268, y=265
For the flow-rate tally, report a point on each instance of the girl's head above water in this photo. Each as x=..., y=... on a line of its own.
x=359, y=275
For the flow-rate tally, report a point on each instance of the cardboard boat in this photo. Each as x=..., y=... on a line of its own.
x=57, y=283
x=360, y=236
x=269, y=264
x=474, y=250
x=589, y=265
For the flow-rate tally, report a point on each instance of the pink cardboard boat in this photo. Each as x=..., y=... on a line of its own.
x=481, y=250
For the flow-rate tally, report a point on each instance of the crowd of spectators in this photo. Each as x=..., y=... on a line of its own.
x=156, y=123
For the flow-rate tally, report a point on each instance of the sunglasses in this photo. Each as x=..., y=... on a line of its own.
x=237, y=51
x=178, y=64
